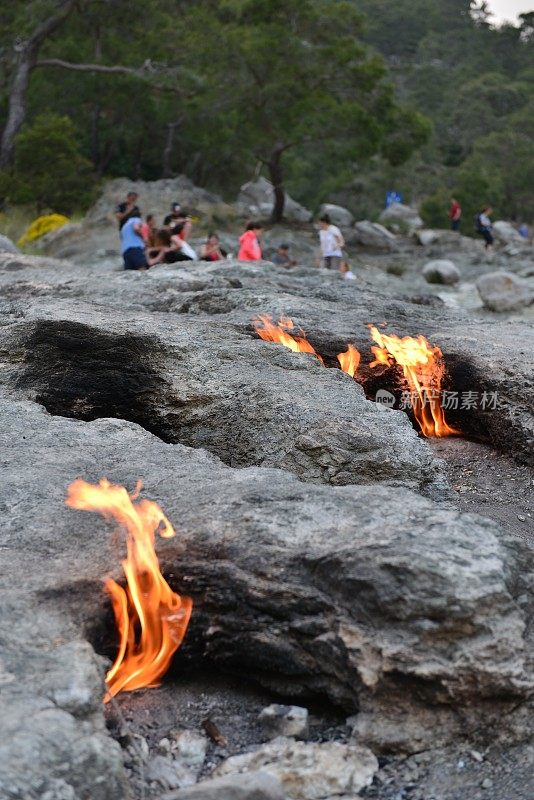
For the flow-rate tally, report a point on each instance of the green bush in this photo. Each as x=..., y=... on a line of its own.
x=435, y=210
x=48, y=170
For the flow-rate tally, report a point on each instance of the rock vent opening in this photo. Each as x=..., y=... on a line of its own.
x=77, y=371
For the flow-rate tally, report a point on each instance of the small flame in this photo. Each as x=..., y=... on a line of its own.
x=423, y=368
x=350, y=360
x=151, y=619
x=269, y=332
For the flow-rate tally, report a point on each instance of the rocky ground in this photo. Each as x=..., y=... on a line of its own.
x=337, y=561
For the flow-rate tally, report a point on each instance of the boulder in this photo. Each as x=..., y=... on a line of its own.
x=156, y=197
x=245, y=400
x=441, y=271
x=7, y=246
x=504, y=291
x=261, y=785
x=372, y=235
x=309, y=771
x=19, y=262
x=338, y=215
x=256, y=197
x=54, y=743
x=481, y=355
x=426, y=237
x=505, y=233
x=373, y=596
x=406, y=218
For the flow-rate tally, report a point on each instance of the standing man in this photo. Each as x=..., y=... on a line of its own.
x=133, y=244
x=332, y=241
x=455, y=214
x=127, y=209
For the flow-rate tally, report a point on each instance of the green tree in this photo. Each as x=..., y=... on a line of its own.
x=294, y=75
x=48, y=169
x=508, y=156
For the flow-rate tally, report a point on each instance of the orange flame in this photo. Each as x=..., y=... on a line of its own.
x=148, y=607
x=269, y=332
x=350, y=360
x=423, y=368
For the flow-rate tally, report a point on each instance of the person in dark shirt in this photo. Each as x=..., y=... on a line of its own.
x=128, y=209
x=282, y=258
x=174, y=217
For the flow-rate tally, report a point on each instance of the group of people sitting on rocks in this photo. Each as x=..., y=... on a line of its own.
x=144, y=244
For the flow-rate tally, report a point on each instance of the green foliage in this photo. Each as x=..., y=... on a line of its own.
x=48, y=169
x=417, y=95
x=478, y=184
x=434, y=210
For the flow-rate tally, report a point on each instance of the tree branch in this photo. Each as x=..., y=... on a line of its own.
x=144, y=71
x=116, y=69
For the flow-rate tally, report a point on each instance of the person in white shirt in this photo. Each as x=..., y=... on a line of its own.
x=332, y=241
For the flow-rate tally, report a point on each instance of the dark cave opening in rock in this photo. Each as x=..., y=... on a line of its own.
x=192, y=673
x=77, y=371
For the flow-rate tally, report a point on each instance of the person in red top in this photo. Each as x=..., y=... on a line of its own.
x=455, y=214
x=249, y=246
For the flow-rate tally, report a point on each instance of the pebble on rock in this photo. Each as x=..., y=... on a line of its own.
x=278, y=720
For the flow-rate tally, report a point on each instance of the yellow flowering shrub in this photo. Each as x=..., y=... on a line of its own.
x=42, y=225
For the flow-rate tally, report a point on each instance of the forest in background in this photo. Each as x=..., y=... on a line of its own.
x=336, y=100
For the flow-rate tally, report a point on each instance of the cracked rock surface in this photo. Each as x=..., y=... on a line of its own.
x=315, y=532
x=379, y=598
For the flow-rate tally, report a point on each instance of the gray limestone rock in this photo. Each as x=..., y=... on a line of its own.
x=426, y=236
x=484, y=356
x=54, y=743
x=257, y=198
x=277, y=720
x=338, y=215
x=504, y=291
x=7, y=246
x=212, y=386
x=441, y=270
x=505, y=233
x=309, y=771
x=371, y=595
x=372, y=235
x=404, y=216
x=260, y=785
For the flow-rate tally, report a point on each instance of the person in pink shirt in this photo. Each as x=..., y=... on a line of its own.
x=249, y=246
x=149, y=228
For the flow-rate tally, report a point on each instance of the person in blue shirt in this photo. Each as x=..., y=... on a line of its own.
x=133, y=244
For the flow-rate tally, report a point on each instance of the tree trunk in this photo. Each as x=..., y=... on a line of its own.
x=17, y=108
x=277, y=179
x=19, y=88
x=166, y=162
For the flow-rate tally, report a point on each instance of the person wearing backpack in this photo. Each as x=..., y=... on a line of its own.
x=484, y=227
x=332, y=241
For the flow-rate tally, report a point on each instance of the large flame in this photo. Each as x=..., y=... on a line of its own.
x=423, y=368
x=151, y=619
x=271, y=332
x=350, y=360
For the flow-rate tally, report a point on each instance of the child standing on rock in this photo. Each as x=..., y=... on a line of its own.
x=332, y=241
